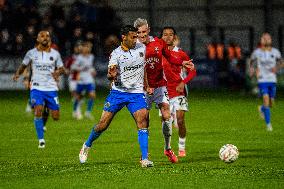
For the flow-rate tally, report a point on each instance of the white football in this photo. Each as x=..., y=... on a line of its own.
x=229, y=153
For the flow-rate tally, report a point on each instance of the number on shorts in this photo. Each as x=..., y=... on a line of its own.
x=182, y=101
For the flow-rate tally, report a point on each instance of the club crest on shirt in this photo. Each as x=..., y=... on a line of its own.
x=156, y=49
x=107, y=105
x=51, y=58
x=33, y=101
x=141, y=54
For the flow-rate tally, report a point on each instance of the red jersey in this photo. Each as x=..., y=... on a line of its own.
x=155, y=50
x=73, y=75
x=174, y=73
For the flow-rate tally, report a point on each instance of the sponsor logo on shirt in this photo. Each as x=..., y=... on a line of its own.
x=132, y=68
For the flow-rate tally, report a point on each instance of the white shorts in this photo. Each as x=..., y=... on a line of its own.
x=72, y=85
x=160, y=95
x=177, y=103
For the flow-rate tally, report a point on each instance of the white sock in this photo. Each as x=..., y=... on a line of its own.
x=181, y=143
x=167, y=132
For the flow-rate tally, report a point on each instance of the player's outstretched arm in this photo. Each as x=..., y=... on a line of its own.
x=20, y=70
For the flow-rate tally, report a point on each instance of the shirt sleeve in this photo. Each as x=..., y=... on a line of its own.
x=278, y=54
x=113, y=59
x=190, y=75
x=168, y=55
x=28, y=58
x=76, y=65
x=58, y=62
x=253, y=56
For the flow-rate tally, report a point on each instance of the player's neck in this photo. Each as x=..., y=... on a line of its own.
x=171, y=47
x=124, y=47
x=42, y=48
x=266, y=48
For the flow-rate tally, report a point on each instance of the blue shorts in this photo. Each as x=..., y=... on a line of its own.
x=48, y=98
x=116, y=100
x=267, y=89
x=85, y=87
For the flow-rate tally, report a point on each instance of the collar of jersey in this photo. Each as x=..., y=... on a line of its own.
x=47, y=50
x=124, y=48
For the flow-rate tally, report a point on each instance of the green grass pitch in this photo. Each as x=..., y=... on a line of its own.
x=215, y=118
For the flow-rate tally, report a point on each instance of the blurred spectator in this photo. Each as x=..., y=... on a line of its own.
x=56, y=11
x=94, y=21
x=5, y=14
x=236, y=66
x=5, y=42
x=30, y=36
x=110, y=44
x=77, y=36
x=18, y=47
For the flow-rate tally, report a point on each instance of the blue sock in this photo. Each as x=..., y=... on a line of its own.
x=93, y=136
x=39, y=127
x=90, y=104
x=75, y=105
x=266, y=112
x=143, y=135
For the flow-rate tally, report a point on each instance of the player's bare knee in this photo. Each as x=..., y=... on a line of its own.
x=38, y=111
x=92, y=95
x=166, y=116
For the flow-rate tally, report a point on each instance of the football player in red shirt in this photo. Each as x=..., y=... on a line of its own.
x=155, y=81
x=176, y=86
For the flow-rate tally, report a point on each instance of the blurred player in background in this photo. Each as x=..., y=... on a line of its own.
x=264, y=63
x=84, y=65
x=73, y=76
x=155, y=81
x=126, y=71
x=46, y=67
x=176, y=86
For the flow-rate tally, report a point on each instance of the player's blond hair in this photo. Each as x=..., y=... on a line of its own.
x=140, y=22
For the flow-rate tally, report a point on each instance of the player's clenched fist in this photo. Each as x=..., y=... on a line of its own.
x=112, y=72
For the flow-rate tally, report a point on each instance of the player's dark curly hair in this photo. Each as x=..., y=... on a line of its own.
x=168, y=28
x=126, y=29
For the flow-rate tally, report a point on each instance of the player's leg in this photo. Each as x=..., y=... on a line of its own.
x=137, y=107
x=45, y=115
x=76, y=105
x=91, y=97
x=37, y=102
x=265, y=109
x=181, y=132
x=96, y=131
x=180, y=106
x=112, y=105
x=163, y=103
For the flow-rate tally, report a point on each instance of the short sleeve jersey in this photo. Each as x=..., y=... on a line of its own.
x=130, y=65
x=43, y=64
x=266, y=60
x=84, y=66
